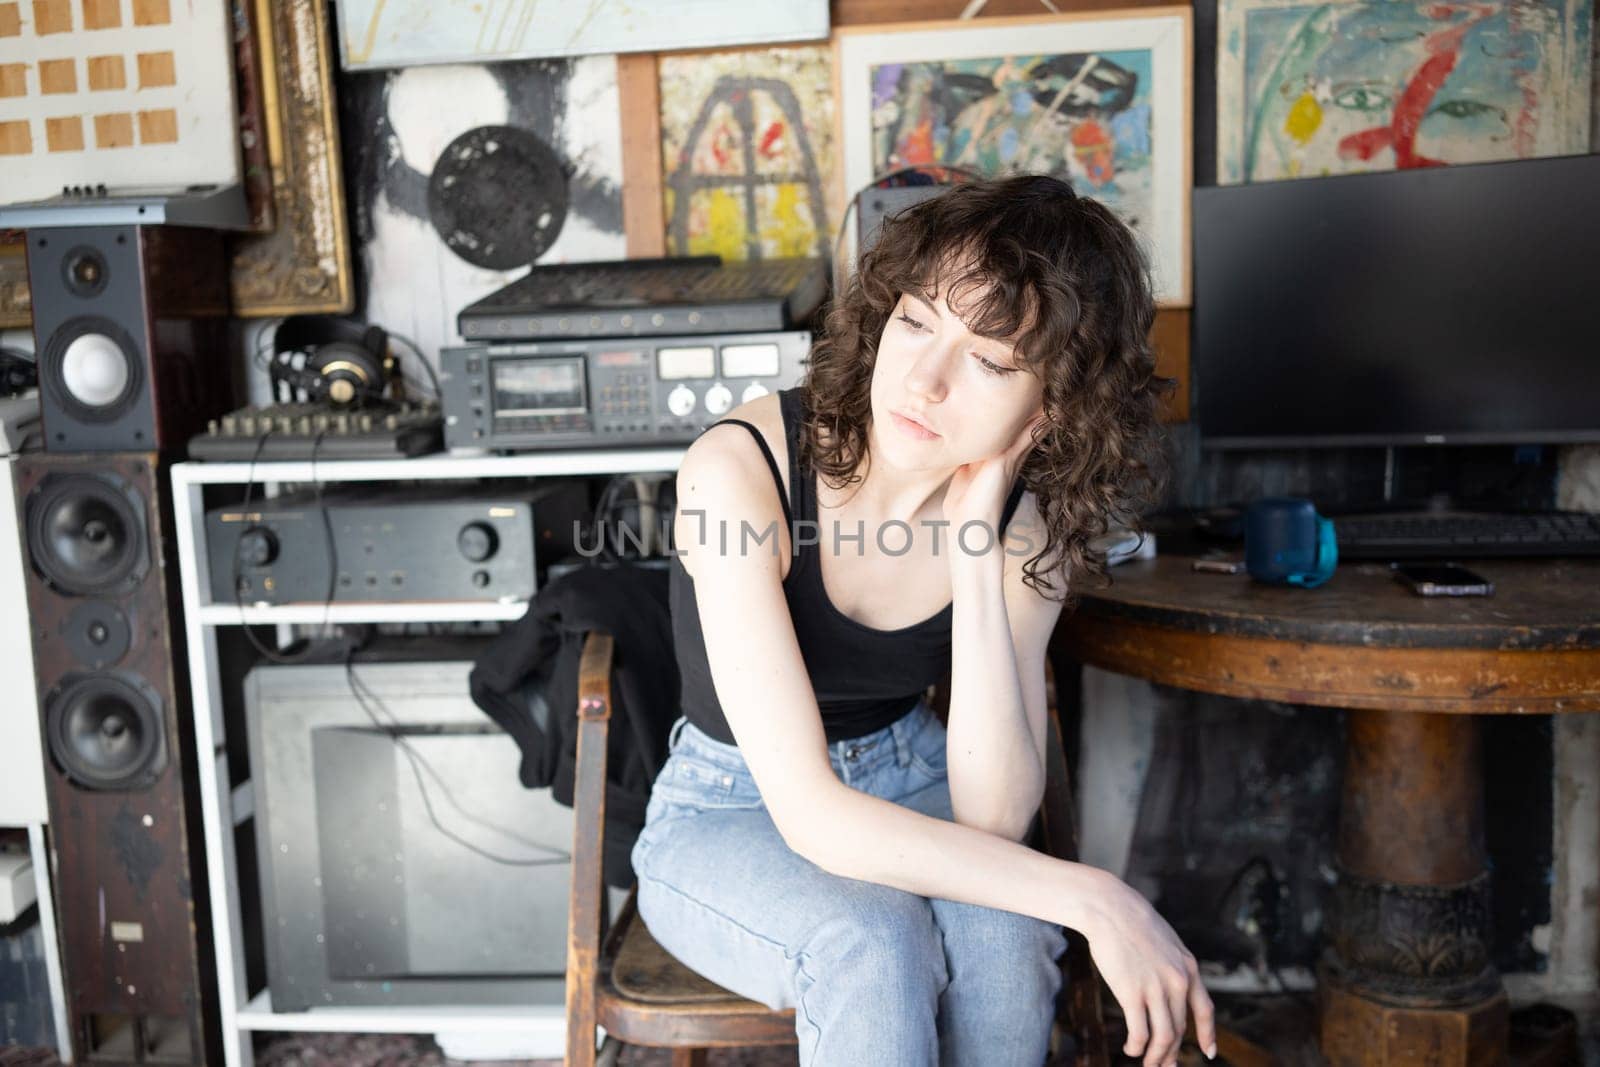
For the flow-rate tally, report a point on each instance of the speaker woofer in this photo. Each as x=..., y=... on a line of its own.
x=106, y=731
x=86, y=534
x=92, y=369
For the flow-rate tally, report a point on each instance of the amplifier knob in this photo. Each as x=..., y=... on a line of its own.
x=681, y=401
x=257, y=547
x=751, y=392
x=477, y=541
x=719, y=398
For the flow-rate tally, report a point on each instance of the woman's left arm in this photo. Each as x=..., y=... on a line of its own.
x=1000, y=631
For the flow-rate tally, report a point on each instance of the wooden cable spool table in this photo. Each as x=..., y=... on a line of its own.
x=1406, y=977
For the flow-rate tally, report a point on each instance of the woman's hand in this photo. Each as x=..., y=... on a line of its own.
x=1153, y=977
x=977, y=491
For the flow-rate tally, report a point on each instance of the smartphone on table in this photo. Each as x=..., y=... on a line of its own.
x=1442, y=579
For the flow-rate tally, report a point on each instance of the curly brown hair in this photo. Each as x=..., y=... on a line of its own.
x=1029, y=259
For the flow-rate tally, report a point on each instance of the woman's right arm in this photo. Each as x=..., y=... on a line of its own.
x=765, y=693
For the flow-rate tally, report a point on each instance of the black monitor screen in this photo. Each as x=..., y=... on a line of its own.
x=1452, y=304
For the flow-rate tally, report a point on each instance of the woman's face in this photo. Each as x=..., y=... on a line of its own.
x=943, y=395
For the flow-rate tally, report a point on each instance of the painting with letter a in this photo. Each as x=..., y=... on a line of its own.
x=747, y=152
x=1310, y=89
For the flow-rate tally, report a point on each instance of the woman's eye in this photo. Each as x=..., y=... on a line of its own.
x=909, y=321
x=1362, y=98
x=991, y=367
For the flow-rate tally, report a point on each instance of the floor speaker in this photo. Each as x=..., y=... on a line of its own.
x=119, y=764
x=130, y=334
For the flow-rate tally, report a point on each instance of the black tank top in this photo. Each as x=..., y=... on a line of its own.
x=864, y=678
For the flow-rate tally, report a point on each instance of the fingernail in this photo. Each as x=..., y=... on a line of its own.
x=1211, y=1053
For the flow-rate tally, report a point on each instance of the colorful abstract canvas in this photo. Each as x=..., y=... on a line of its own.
x=1100, y=100
x=747, y=152
x=1084, y=116
x=1310, y=89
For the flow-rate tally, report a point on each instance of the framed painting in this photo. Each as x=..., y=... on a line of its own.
x=1308, y=89
x=1100, y=99
x=302, y=266
x=747, y=152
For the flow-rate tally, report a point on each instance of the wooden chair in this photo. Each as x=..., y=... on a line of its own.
x=643, y=996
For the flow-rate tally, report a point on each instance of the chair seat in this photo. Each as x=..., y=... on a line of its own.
x=649, y=998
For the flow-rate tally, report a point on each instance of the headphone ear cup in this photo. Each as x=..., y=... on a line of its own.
x=343, y=361
x=348, y=372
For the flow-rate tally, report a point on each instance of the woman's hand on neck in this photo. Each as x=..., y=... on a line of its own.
x=977, y=491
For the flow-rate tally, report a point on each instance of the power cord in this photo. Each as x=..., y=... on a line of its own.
x=364, y=694
x=263, y=650
x=416, y=350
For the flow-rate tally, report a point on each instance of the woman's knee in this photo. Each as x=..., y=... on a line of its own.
x=881, y=936
x=980, y=940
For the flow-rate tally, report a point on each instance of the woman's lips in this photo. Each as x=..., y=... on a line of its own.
x=912, y=428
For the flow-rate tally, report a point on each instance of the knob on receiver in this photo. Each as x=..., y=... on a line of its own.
x=257, y=547
x=719, y=398
x=477, y=541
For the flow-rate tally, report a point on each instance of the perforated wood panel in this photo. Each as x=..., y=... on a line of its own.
x=129, y=94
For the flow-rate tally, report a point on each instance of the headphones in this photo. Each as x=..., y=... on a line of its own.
x=343, y=363
x=18, y=371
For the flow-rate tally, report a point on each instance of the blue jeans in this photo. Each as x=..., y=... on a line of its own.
x=875, y=975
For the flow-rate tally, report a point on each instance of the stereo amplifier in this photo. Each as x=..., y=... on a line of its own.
x=388, y=545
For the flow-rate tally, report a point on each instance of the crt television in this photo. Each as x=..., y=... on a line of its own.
x=1446, y=305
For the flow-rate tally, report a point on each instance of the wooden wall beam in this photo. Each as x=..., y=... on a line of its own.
x=644, y=221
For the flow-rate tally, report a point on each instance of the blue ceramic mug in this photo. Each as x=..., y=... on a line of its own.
x=1287, y=543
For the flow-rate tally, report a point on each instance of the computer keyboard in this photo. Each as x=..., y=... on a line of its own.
x=1467, y=535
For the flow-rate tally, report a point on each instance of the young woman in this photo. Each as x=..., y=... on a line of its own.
x=981, y=404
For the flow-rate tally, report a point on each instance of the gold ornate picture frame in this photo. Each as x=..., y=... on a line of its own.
x=303, y=265
x=16, y=303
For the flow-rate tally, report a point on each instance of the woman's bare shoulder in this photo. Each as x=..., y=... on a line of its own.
x=765, y=414
x=724, y=449
x=723, y=476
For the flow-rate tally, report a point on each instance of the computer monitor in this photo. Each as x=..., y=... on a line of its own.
x=1447, y=305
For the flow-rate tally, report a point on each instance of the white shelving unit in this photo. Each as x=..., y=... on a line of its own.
x=225, y=804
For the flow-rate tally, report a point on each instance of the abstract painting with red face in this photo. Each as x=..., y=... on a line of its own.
x=1308, y=89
